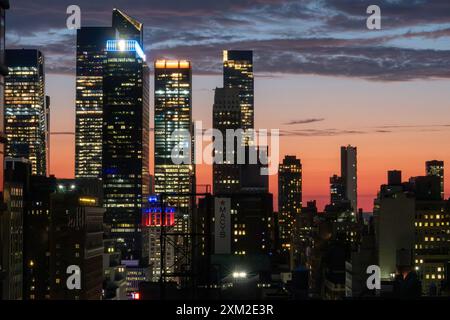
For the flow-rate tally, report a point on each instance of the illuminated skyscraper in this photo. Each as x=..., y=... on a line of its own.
x=349, y=175
x=436, y=168
x=26, y=109
x=125, y=143
x=238, y=73
x=4, y=5
x=173, y=111
x=289, y=198
x=91, y=52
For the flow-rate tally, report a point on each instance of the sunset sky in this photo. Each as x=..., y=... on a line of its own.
x=321, y=76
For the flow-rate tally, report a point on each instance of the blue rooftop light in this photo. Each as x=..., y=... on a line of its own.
x=125, y=46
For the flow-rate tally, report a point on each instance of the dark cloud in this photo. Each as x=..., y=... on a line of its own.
x=333, y=57
x=304, y=121
x=382, y=129
x=400, y=13
x=200, y=29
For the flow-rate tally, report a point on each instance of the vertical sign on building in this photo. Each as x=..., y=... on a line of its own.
x=222, y=226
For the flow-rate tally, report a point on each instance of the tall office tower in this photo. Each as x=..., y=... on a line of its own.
x=127, y=27
x=125, y=143
x=349, y=175
x=4, y=5
x=238, y=74
x=173, y=111
x=76, y=239
x=289, y=199
x=91, y=52
x=436, y=168
x=226, y=116
x=17, y=174
x=26, y=110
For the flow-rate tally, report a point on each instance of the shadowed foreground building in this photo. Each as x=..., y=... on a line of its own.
x=76, y=239
x=17, y=175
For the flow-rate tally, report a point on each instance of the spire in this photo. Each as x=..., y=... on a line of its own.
x=127, y=27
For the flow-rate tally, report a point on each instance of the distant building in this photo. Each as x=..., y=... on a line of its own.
x=289, y=199
x=27, y=109
x=394, y=177
x=349, y=175
x=337, y=191
x=226, y=116
x=436, y=168
x=426, y=187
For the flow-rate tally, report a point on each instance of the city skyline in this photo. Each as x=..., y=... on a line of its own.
x=314, y=125
x=333, y=128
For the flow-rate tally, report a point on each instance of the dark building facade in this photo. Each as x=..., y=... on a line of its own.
x=76, y=239
x=27, y=109
x=226, y=116
x=17, y=174
x=289, y=199
x=436, y=168
x=36, y=245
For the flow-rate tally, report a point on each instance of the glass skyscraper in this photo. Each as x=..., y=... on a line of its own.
x=4, y=5
x=238, y=73
x=27, y=109
x=125, y=154
x=173, y=111
x=91, y=52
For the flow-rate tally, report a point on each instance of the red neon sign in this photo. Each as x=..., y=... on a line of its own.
x=154, y=219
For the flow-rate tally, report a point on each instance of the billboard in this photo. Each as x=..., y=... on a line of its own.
x=222, y=226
